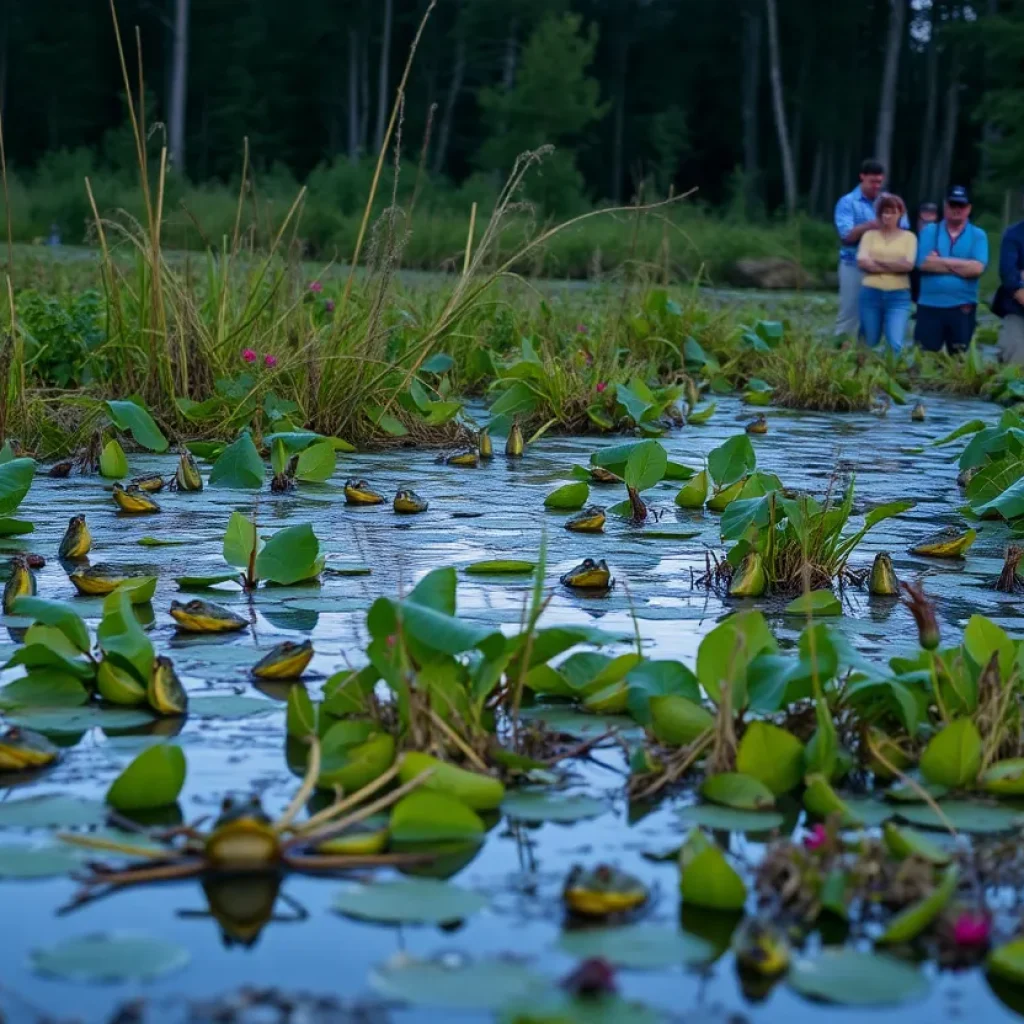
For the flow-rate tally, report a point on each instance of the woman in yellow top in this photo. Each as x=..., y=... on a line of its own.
x=886, y=255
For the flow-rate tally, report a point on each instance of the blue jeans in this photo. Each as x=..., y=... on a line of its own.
x=887, y=313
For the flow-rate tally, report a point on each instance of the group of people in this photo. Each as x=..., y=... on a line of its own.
x=885, y=268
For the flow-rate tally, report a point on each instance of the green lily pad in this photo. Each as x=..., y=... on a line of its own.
x=165, y=542
x=501, y=566
x=51, y=810
x=14, y=527
x=706, y=878
x=640, y=946
x=964, y=816
x=153, y=779
x=741, y=792
x=668, y=534
x=852, y=978
x=902, y=842
x=539, y=807
x=568, y=497
x=411, y=900
x=202, y=582
x=729, y=819
x=347, y=570
x=485, y=985
x=80, y=719
x=37, y=861
x=229, y=706
x=1005, y=778
x=118, y=956
x=430, y=817
x=819, y=603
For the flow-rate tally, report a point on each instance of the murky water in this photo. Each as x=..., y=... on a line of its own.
x=521, y=869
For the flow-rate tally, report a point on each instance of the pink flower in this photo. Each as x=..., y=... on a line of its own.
x=601, y=385
x=316, y=286
x=971, y=929
x=329, y=305
x=270, y=361
x=249, y=355
x=581, y=328
x=817, y=839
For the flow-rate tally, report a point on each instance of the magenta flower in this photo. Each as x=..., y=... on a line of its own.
x=581, y=328
x=817, y=839
x=329, y=305
x=971, y=929
x=249, y=355
x=270, y=361
x=316, y=286
x=601, y=385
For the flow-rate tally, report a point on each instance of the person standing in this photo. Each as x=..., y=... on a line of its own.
x=886, y=255
x=927, y=213
x=855, y=215
x=1009, y=298
x=952, y=255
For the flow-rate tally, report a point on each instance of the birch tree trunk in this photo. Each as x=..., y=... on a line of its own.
x=944, y=163
x=779, y=106
x=179, y=87
x=890, y=77
x=444, y=132
x=383, y=99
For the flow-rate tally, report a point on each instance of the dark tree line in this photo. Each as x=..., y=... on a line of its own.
x=762, y=104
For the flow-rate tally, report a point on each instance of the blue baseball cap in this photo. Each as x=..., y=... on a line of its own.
x=957, y=195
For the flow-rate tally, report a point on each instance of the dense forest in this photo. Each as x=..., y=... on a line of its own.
x=763, y=105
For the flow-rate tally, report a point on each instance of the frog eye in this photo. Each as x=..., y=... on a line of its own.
x=588, y=563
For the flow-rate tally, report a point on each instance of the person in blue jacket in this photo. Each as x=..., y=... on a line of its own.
x=1009, y=300
x=952, y=256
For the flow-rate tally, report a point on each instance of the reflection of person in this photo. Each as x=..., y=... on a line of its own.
x=886, y=255
x=927, y=213
x=1009, y=300
x=854, y=215
x=951, y=255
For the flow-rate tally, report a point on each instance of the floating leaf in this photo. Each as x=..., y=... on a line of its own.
x=669, y=534
x=58, y=614
x=239, y=466
x=118, y=956
x=423, y=817
x=707, y=879
x=132, y=417
x=24, y=862
x=113, y=461
x=568, y=497
x=153, y=779
x=1005, y=778
x=80, y=719
x=637, y=947
x=411, y=900
x=500, y=566
x=51, y=810
x=15, y=527
x=852, y=978
x=964, y=816
x=742, y=792
x=728, y=819
x=203, y=582
x=953, y=756
x=772, y=755
x=44, y=688
x=904, y=842
x=818, y=603
x=538, y=807
x=164, y=542
x=484, y=985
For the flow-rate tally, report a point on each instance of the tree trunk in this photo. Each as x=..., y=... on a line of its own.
x=364, y=90
x=383, y=98
x=751, y=91
x=508, y=64
x=890, y=76
x=779, y=105
x=989, y=132
x=817, y=173
x=179, y=88
x=619, y=119
x=944, y=164
x=444, y=132
x=353, y=95
x=928, y=127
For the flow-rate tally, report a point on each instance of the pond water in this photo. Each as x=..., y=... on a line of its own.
x=521, y=869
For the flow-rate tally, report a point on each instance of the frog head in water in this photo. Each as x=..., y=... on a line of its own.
x=589, y=575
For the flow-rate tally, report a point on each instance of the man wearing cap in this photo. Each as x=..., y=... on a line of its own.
x=1009, y=300
x=952, y=256
x=854, y=217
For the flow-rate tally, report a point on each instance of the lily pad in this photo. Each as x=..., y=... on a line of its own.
x=14, y=527
x=153, y=779
x=117, y=956
x=852, y=978
x=820, y=603
x=729, y=819
x=707, y=879
x=485, y=985
x=741, y=792
x=964, y=816
x=501, y=566
x=411, y=900
x=641, y=946
x=202, y=582
x=51, y=810
x=568, y=497
x=539, y=807
x=80, y=719
x=426, y=817
x=668, y=534
x=165, y=542
x=37, y=861
x=229, y=706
